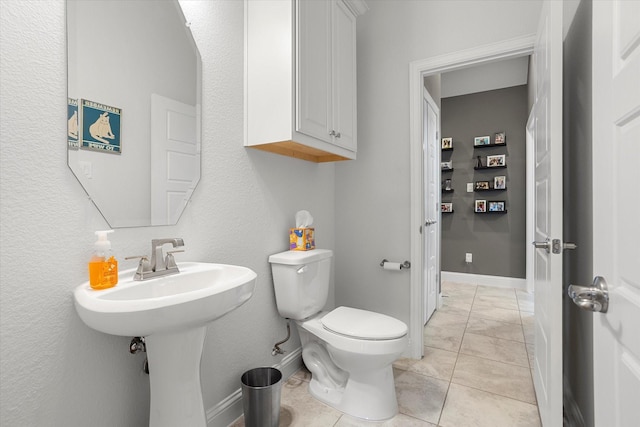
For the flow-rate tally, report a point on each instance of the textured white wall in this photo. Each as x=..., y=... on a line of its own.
x=55, y=371
x=373, y=195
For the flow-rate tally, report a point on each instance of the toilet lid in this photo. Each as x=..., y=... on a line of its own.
x=363, y=324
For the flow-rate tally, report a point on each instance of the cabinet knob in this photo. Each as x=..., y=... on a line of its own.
x=335, y=134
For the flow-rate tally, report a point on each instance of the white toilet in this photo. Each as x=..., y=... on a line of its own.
x=348, y=351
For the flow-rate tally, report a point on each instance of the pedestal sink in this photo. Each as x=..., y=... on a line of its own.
x=171, y=312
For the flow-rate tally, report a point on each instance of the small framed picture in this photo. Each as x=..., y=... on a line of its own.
x=500, y=182
x=481, y=205
x=496, y=206
x=481, y=140
x=100, y=127
x=482, y=185
x=447, y=207
x=446, y=165
x=447, y=143
x=73, y=124
x=496, y=161
x=499, y=138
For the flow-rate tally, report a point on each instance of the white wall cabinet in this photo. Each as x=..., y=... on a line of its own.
x=300, y=87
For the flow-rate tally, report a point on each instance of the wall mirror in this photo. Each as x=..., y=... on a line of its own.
x=134, y=108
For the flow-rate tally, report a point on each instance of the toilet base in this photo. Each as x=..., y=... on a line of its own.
x=371, y=397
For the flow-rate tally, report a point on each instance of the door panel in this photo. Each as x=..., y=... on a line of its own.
x=175, y=158
x=344, y=77
x=616, y=174
x=432, y=197
x=313, y=74
x=547, y=134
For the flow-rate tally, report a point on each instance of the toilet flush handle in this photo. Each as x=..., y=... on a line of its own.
x=302, y=269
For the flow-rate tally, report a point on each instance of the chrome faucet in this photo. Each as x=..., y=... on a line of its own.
x=159, y=264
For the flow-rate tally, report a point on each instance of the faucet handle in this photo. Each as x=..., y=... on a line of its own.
x=142, y=258
x=170, y=261
x=143, y=266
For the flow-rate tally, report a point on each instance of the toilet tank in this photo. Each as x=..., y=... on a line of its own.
x=301, y=281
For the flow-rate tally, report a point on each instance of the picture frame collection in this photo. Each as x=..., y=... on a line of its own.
x=499, y=138
x=492, y=161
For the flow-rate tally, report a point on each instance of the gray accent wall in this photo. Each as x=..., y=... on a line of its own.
x=497, y=241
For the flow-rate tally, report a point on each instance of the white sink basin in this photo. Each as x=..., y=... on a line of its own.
x=171, y=312
x=200, y=293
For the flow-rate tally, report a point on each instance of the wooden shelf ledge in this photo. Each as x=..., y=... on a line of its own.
x=299, y=151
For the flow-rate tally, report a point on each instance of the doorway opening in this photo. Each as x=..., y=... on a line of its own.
x=418, y=71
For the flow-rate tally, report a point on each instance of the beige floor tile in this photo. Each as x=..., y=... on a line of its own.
x=492, y=301
x=300, y=409
x=495, y=377
x=457, y=308
x=436, y=363
x=444, y=337
x=525, y=301
x=302, y=374
x=442, y=319
x=492, y=328
x=468, y=407
x=455, y=288
x=524, y=295
x=526, y=306
x=404, y=363
x=531, y=353
x=399, y=420
x=497, y=349
x=528, y=326
x=499, y=314
x=495, y=291
x=420, y=397
x=444, y=331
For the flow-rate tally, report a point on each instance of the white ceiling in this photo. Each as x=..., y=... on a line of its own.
x=496, y=75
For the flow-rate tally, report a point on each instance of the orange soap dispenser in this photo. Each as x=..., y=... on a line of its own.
x=103, y=267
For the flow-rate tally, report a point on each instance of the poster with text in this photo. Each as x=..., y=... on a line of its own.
x=72, y=124
x=101, y=127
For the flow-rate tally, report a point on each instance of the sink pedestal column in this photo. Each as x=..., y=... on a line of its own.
x=174, y=378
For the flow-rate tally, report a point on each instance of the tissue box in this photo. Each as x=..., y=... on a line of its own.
x=302, y=239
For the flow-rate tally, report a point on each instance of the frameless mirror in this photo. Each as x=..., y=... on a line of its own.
x=134, y=116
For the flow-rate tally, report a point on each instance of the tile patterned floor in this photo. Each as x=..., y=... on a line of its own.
x=476, y=370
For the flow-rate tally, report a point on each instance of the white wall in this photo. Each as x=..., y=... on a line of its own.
x=373, y=194
x=56, y=371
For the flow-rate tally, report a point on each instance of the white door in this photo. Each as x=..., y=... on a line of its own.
x=432, y=197
x=547, y=134
x=616, y=203
x=175, y=158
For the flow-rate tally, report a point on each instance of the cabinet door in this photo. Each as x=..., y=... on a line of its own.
x=313, y=70
x=344, y=77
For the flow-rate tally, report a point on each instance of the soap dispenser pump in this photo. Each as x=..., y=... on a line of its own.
x=103, y=267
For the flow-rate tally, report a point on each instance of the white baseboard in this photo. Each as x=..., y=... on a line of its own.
x=230, y=408
x=480, y=279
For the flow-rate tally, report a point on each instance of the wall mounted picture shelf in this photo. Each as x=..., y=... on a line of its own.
x=492, y=212
x=447, y=170
x=490, y=167
x=444, y=190
x=489, y=145
x=448, y=149
x=488, y=189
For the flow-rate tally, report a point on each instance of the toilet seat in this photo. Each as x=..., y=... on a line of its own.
x=363, y=324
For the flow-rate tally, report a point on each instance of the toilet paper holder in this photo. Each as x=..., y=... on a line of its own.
x=404, y=265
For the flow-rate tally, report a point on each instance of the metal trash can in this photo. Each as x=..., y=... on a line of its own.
x=261, y=397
